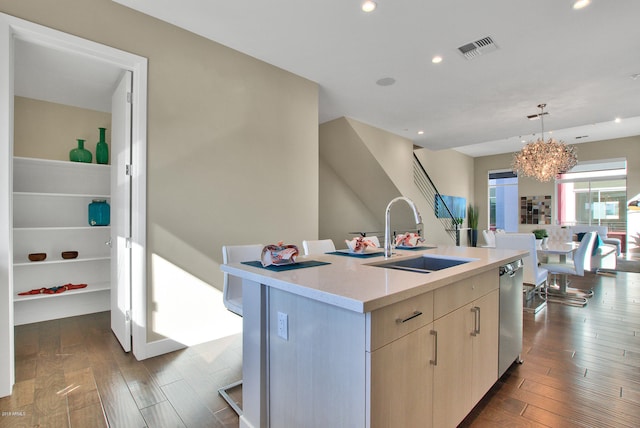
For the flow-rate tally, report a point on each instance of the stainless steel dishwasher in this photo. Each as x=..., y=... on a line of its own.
x=510, y=342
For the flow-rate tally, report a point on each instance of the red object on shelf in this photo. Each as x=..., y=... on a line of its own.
x=53, y=290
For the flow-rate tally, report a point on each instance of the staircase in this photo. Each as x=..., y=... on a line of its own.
x=431, y=194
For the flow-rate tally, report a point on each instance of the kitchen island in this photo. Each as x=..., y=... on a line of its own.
x=351, y=344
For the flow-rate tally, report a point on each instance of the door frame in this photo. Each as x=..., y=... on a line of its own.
x=10, y=29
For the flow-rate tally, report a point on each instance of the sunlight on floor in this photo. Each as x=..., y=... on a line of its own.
x=186, y=309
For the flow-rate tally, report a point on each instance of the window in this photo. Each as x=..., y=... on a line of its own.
x=503, y=201
x=594, y=194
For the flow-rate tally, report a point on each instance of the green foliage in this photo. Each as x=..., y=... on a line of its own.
x=472, y=216
x=540, y=233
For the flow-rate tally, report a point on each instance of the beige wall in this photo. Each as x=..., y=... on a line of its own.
x=355, y=180
x=452, y=173
x=628, y=148
x=341, y=207
x=232, y=142
x=39, y=133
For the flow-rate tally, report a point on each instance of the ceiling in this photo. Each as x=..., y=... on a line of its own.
x=583, y=64
x=64, y=77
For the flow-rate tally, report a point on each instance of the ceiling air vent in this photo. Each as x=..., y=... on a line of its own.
x=536, y=116
x=477, y=48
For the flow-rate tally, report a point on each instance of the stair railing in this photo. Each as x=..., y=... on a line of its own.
x=431, y=194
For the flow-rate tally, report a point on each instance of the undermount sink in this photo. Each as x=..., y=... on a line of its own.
x=425, y=263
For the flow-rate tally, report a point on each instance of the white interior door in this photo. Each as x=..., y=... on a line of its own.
x=121, y=211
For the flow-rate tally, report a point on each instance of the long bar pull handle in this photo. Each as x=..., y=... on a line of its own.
x=476, y=321
x=435, y=358
x=410, y=317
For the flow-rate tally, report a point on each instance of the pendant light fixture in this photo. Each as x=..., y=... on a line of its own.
x=544, y=160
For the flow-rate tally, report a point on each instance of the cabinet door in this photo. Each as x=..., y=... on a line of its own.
x=453, y=371
x=485, y=345
x=401, y=381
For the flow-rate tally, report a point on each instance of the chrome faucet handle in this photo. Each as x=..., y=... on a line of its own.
x=387, y=223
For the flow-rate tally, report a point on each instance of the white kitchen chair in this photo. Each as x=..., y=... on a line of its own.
x=534, y=276
x=581, y=262
x=319, y=246
x=232, y=297
x=374, y=239
x=489, y=238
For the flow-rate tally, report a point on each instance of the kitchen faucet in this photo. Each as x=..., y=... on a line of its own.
x=387, y=223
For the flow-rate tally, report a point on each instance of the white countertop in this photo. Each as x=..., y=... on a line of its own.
x=350, y=283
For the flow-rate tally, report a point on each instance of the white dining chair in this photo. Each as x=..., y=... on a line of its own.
x=489, y=238
x=232, y=297
x=318, y=246
x=533, y=276
x=581, y=262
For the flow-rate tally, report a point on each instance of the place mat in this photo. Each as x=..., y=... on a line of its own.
x=292, y=266
x=350, y=254
x=422, y=247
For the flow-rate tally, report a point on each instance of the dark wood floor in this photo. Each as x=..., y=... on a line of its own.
x=581, y=369
x=581, y=365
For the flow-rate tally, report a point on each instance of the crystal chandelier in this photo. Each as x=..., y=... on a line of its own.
x=544, y=160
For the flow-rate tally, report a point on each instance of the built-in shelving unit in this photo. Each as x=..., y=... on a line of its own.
x=50, y=215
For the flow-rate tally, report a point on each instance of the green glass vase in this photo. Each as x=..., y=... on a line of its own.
x=80, y=154
x=102, y=149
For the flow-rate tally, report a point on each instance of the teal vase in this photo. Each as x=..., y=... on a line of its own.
x=80, y=154
x=102, y=149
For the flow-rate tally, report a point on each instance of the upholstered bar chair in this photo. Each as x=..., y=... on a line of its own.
x=319, y=246
x=232, y=297
x=534, y=277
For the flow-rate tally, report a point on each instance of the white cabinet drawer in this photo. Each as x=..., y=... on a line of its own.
x=394, y=321
x=451, y=297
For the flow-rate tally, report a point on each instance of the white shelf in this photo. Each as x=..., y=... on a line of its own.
x=50, y=176
x=62, y=195
x=50, y=215
x=52, y=228
x=90, y=288
x=60, y=260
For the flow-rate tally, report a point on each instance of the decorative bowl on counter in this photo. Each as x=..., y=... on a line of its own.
x=37, y=257
x=361, y=245
x=279, y=254
x=69, y=254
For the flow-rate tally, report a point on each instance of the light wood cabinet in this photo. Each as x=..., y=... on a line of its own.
x=400, y=369
x=402, y=381
x=485, y=346
x=50, y=215
x=467, y=364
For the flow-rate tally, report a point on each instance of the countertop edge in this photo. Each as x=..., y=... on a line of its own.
x=285, y=283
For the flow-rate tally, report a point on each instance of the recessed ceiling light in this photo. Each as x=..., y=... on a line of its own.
x=617, y=120
x=436, y=59
x=369, y=6
x=420, y=132
x=386, y=81
x=579, y=4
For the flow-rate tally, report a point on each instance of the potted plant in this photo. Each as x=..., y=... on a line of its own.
x=472, y=221
x=541, y=237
